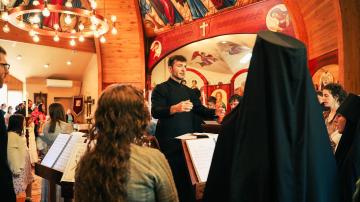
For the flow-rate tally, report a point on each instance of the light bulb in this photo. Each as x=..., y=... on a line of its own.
x=36, y=38
x=72, y=42
x=36, y=3
x=68, y=20
x=81, y=38
x=68, y=62
x=5, y=2
x=56, y=26
x=73, y=31
x=46, y=66
x=102, y=39
x=6, y=28
x=93, y=27
x=21, y=24
x=114, y=31
x=46, y=12
x=68, y=4
x=81, y=27
x=18, y=57
x=36, y=19
x=32, y=32
x=56, y=38
x=5, y=16
x=113, y=18
x=94, y=20
x=93, y=4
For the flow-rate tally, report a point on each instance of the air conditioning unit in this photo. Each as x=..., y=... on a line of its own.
x=59, y=83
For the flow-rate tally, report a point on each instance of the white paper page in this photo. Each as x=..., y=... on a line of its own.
x=201, y=152
x=77, y=153
x=55, y=150
x=186, y=136
x=65, y=155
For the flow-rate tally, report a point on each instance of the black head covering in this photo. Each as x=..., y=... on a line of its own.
x=348, y=151
x=350, y=109
x=275, y=147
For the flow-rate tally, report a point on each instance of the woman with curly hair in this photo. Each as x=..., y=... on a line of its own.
x=114, y=168
x=333, y=96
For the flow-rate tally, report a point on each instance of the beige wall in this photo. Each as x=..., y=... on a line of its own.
x=37, y=85
x=90, y=83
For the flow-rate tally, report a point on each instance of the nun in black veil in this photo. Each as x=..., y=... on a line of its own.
x=348, y=151
x=274, y=146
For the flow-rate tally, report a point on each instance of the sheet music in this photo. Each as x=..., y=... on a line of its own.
x=65, y=155
x=60, y=151
x=55, y=150
x=76, y=154
x=201, y=152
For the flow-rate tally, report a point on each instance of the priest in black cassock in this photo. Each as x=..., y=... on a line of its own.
x=274, y=146
x=176, y=107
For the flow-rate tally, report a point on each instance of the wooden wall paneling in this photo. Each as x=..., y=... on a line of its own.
x=19, y=35
x=99, y=64
x=123, y=58
x=340, y=42
x=298, y=21
x=319, y=18
x=13, y=83
x=350, y=12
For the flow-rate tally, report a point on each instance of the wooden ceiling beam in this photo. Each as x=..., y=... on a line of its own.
x=19, y=35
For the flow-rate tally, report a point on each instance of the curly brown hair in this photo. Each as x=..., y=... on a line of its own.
x=102, y=173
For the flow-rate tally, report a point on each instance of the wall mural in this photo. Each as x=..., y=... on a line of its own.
x=161, y=15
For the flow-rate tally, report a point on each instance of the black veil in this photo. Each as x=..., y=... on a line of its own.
x=275, y=146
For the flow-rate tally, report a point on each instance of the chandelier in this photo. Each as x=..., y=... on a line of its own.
x=70, y=19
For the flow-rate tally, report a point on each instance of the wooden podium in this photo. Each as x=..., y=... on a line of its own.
x=211, y=128
x=54, y=177
x=198, y=186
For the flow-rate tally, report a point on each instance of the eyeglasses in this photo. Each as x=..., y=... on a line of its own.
x=5, y=65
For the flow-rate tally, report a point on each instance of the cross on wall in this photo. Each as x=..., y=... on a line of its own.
x=203, y=27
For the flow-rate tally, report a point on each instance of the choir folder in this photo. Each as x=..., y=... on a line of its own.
x=64, y=154
x=198, y=154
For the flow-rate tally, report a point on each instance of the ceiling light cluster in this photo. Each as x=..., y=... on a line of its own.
x=69, y=20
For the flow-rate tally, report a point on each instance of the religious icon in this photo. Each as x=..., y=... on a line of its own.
x=155, y=50
x=277, y=19
x=325, y=79
x=221, y=98
x=78, y=105
x=206, y=59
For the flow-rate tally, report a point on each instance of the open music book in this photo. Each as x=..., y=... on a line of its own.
x=201, y=152
x=64, y=154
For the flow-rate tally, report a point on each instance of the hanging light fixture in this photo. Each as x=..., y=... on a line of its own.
x=70, y=20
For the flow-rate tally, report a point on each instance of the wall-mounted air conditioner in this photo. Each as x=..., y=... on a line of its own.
x=59, y=83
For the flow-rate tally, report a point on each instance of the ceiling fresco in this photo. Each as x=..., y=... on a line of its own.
x=161, y=15
x=223, y=54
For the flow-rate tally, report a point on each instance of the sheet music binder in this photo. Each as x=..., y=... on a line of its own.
x=60, y=151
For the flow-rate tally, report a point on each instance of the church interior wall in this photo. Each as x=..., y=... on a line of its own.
x=37, y=85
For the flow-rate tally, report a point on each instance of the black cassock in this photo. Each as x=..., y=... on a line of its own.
x=274, y=147
x=169, y=126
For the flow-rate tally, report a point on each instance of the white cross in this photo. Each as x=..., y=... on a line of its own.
x=203, y=27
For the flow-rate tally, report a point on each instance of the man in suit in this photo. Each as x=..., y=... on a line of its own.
x=7, y=188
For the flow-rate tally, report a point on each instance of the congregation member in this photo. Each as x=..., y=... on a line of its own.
x=234, y=101
x=51, y=130
x=19, y=157
x=6, y=182
x=274, y=147
x=175, y=106
x=333, y=96
x=116, y=169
